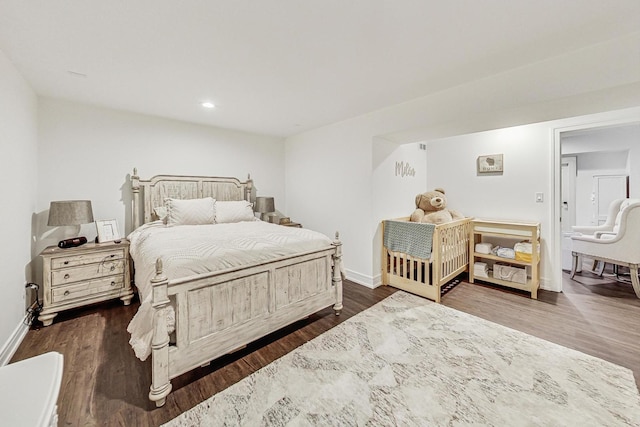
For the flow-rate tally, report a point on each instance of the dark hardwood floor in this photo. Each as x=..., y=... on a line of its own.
x=104, y=384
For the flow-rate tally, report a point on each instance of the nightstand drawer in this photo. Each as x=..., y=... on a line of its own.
x=91, y=289
x=87, y=258
x=86, y=272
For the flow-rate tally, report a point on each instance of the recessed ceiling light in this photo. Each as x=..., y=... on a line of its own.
x=208, y=104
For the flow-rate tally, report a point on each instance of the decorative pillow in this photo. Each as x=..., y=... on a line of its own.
x=161, y=213
x=234, y=211
x=190, y=211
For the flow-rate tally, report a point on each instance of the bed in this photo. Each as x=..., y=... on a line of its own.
x=200, y=300
x=421, y=258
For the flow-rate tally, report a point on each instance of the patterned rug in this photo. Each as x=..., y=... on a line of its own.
x=410, y=362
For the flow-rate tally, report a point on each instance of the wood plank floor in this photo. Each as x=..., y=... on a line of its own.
x=104, y=384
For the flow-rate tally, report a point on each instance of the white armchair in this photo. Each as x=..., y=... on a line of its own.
x=619, y=246
x=613, y=219
x=609, y=227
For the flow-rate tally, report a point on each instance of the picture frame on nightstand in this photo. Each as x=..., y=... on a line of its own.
x=107, y=230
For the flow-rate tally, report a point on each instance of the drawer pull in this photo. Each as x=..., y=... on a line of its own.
x=113, y=267
x=113, y=283
x=112, y=255
x=66, y=262
x=66, y=276
x=66, y=293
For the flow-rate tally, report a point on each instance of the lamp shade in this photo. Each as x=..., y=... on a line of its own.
x=265, y=204
x=70, y=212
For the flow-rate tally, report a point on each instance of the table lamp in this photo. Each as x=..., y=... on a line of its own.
x=265, y=206
x=70, y=212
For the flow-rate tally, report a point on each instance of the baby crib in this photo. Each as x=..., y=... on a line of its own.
x=420, y=258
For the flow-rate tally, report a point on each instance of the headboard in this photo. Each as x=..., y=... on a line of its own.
x=156, y=189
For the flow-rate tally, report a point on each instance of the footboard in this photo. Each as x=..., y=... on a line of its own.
x=425, y=276
x=219, y=312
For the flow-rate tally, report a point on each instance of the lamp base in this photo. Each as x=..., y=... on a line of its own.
x=72, y=243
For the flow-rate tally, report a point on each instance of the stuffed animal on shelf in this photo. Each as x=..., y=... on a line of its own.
x=431, y=207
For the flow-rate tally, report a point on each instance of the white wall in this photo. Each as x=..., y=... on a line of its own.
x=528, y=168
x=18, y=173
x=89, y=152
x=393, y=194
x=602, y=151
x=590, y=165
x=332, y=166
x=451, y=164
x=527, y=160
x=613, y=138
x=328, y=186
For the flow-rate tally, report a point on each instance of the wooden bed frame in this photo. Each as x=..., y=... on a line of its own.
x=425, y=277
x=221, y=311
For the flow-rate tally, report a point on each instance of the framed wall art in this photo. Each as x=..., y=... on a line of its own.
x=490, y=164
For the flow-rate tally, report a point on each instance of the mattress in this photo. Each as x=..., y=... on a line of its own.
x=191, y=250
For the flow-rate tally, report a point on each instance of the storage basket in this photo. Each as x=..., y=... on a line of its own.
x=524, y=250
x=509, y=273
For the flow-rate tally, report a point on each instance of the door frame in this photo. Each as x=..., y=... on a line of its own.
x=556, y=206
x=572, y=162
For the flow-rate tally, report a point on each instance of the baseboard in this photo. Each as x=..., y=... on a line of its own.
x=549, y=285
x=373, y=282
x=362, y=279
x=377, y=280
x=11, y=346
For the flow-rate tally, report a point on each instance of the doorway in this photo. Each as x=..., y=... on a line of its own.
x=595, y=164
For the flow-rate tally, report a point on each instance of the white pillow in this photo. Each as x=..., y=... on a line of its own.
x=161, y=213
x=234, y=211
x=190, y=211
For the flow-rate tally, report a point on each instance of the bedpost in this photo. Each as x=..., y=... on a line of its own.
x=160, y=384
x=248, y=188
x=135, y=188
x=337, y=274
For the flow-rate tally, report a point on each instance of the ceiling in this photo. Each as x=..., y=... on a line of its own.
x=280, y=67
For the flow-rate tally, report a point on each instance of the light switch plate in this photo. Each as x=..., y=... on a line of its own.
x=539, y=197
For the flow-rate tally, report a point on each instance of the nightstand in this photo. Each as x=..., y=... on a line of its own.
x=75, y=277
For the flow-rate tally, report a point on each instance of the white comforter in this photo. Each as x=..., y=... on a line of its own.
x=189, y=250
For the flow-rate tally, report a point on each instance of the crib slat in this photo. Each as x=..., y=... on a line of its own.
x=411, y=268
x=396, y=264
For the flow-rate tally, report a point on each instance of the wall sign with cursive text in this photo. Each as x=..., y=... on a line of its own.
x=404, y=169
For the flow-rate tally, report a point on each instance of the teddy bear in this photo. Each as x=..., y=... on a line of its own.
x=431, y=207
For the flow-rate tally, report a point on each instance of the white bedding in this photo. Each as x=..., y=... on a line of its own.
x=188, y=250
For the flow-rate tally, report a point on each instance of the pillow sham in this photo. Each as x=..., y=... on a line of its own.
x=190, y=211
x=160, y=213
x=234, y=211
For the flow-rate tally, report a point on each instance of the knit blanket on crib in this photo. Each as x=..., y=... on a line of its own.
x=411, y=238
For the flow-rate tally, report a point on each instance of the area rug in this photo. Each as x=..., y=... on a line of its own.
x=410, y=362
